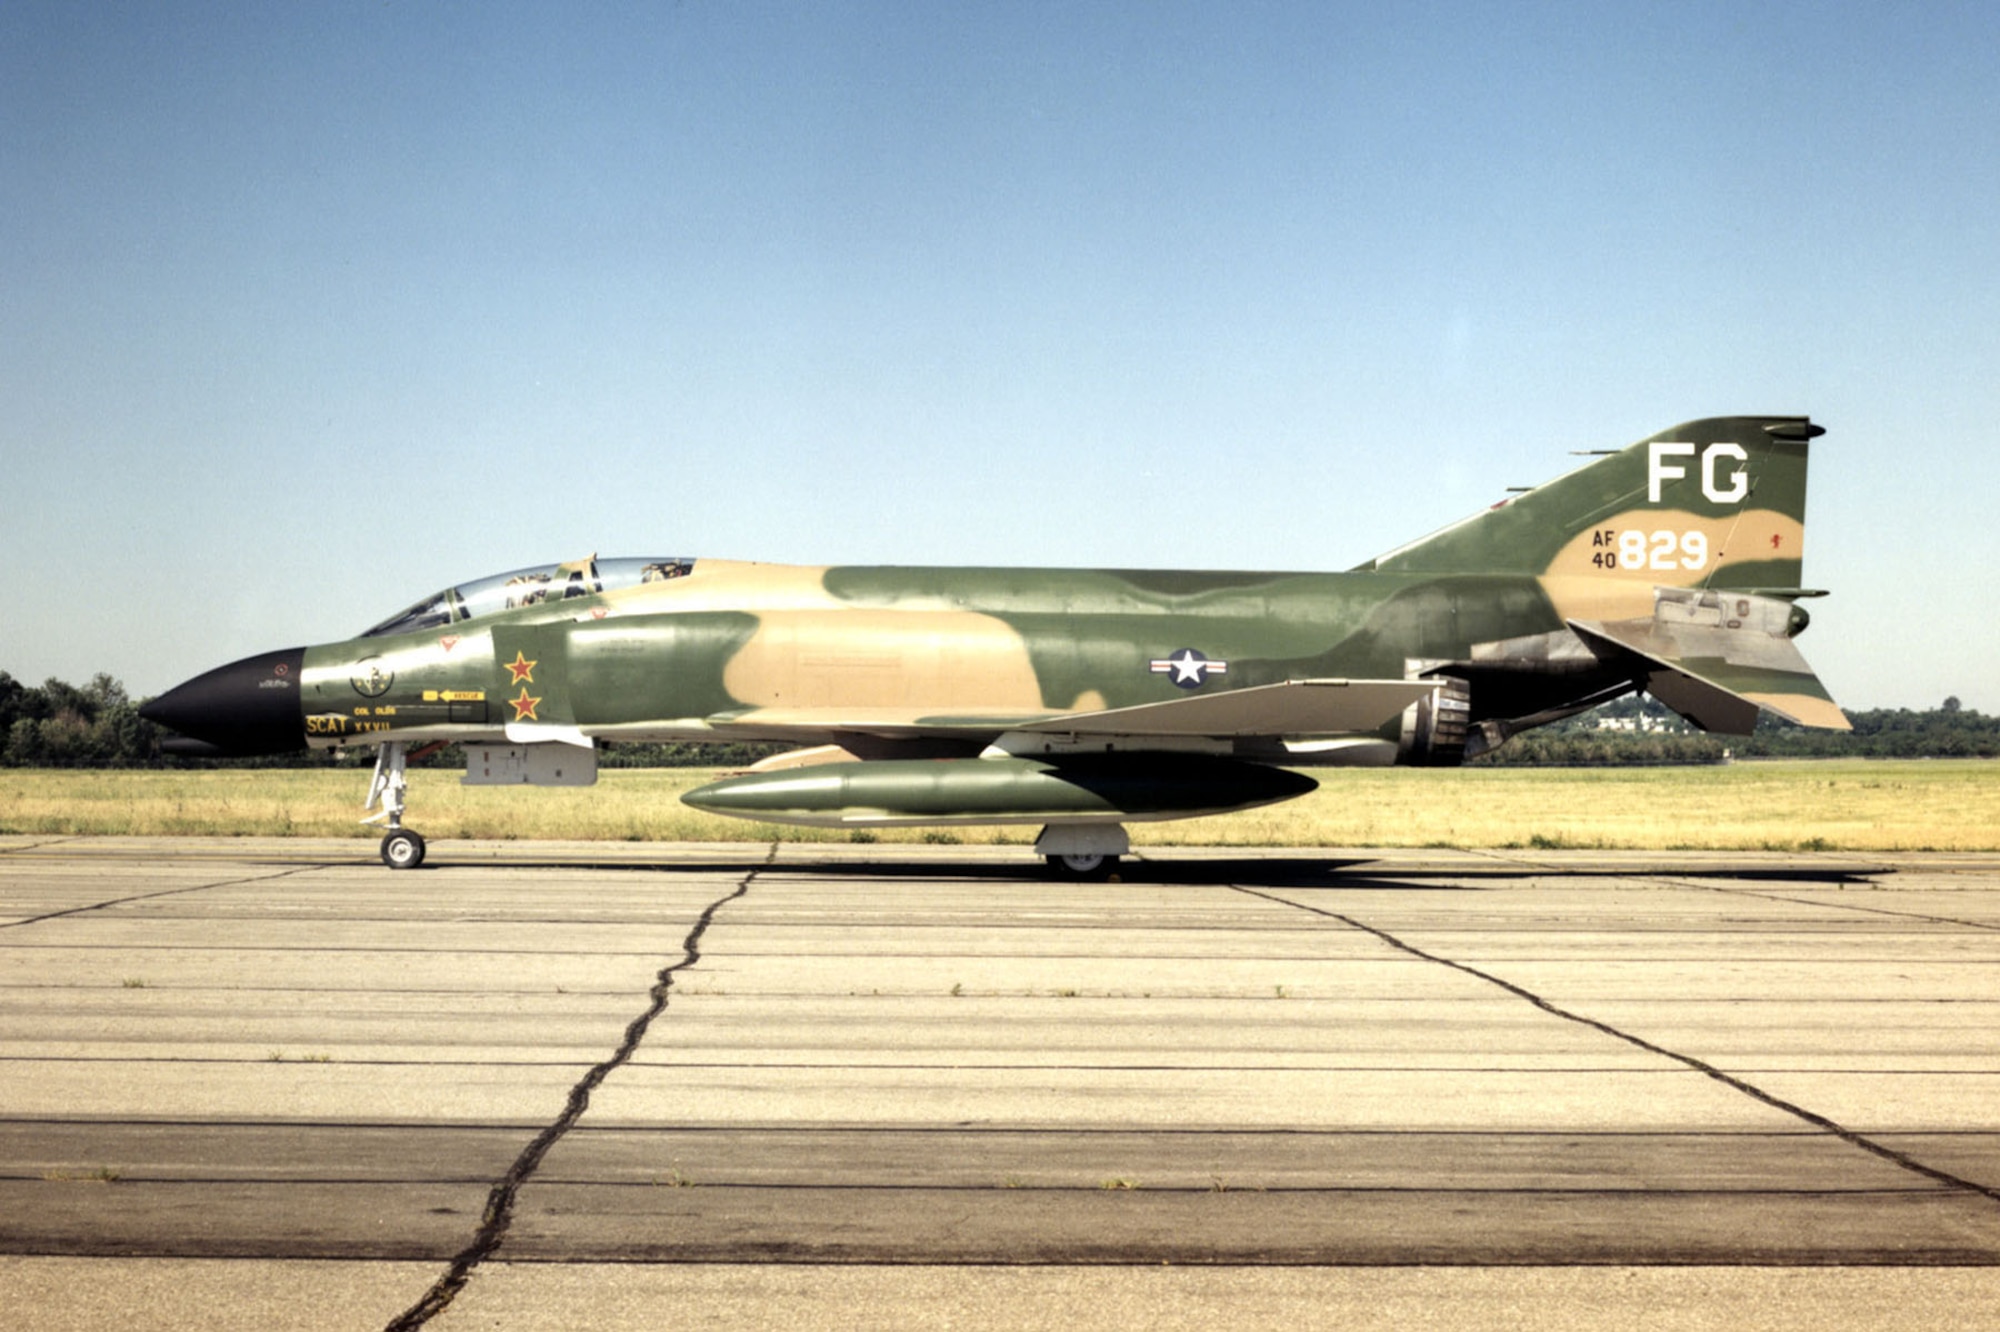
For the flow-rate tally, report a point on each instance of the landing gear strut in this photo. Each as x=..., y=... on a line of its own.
x=401, y=848
x=1082, y=850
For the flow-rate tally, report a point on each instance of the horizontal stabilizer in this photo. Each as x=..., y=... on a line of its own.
x=1716, y=658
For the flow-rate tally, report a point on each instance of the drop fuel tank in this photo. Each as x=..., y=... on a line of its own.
x=1073, y=789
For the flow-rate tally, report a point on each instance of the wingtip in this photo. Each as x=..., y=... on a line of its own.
x=1805, y=709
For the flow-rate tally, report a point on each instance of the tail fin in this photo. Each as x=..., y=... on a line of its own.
x=1655, y=556
x=1717, y=503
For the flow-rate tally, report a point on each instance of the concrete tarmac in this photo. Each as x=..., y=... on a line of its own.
x=268, y=1083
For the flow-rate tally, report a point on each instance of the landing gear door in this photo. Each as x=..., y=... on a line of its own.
x=529, y=765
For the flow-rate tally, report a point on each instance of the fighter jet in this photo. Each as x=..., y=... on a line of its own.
x=1081, y=700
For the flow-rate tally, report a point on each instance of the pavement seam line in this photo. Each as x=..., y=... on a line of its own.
x=1756, y=1093
x=1694, y=884
x=1838, y=906
x=499, y=1214
x=147, y=897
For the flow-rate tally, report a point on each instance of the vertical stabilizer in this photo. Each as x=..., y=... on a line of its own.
x=1716, y=503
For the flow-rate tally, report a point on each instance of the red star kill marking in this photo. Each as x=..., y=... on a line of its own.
x=1776, y=541
x=524, y=706
x=523, y=669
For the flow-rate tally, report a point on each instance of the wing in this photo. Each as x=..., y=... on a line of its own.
x=1292, y=708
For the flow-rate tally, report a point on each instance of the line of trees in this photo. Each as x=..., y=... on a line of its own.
x=1639, y=729
x=97, y=725
x=58, y=725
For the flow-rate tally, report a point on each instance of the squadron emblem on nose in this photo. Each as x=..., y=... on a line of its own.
x=369, y=679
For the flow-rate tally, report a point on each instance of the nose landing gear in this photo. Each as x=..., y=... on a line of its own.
x=389, y=788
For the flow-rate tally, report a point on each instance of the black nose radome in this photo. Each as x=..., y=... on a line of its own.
x=247, y=707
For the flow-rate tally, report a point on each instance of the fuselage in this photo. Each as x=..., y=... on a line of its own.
x=769, y=651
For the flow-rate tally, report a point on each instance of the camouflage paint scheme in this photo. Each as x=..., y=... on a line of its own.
x=1673, y=565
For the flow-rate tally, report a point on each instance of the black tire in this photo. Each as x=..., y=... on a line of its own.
x=403, y=850
x=1082, y=868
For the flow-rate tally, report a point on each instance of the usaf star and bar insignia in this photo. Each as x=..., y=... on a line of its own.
x=1189, y=668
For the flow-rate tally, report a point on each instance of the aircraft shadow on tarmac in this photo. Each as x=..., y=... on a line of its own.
x=1358, y=873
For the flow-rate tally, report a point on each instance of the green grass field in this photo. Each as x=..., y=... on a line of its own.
x=1834, y=805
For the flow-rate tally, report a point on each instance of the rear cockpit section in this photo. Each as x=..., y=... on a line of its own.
x=529, y=587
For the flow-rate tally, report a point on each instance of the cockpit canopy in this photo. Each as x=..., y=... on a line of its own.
x=528, y=587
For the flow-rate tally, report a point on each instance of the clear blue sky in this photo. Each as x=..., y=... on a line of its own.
x=306, y=310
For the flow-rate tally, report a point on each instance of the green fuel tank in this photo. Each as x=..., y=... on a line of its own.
x=1081, y=789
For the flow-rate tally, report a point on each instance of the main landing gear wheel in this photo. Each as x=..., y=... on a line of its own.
x=403, y=849
x=1080, y=851
x=1083, y=867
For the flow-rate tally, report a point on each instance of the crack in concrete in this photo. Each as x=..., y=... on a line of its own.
x=147, y=897
x=499, y=1214
x=36, y=846
x=1756, y=1093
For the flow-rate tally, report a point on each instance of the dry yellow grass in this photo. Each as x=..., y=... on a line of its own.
x=1841, y=805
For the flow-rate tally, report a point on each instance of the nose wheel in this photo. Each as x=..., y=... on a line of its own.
x=401, y=849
